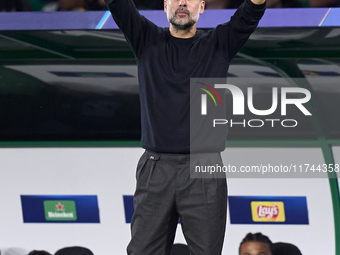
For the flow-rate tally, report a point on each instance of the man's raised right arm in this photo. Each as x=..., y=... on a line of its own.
x=133, y=25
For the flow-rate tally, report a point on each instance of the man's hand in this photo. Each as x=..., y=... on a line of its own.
x=258, y=1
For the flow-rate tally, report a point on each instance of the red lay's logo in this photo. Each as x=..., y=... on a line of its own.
x=268, y=211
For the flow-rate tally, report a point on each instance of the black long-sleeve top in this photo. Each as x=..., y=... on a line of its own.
x=166, y=64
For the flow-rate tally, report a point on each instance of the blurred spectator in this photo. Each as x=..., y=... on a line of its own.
x=15, y=6
x=283, y=3
x=35, y=252
x=285, y=249
x=324, y=3
x=256, y=244
x=75, y=250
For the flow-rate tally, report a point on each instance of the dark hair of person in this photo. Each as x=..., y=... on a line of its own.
x=35, y=252
x=257, y=237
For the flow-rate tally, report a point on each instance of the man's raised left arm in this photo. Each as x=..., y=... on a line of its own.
x=233, y=34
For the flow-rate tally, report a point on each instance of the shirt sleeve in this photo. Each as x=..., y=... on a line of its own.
x=135, y=27
x=233, y=35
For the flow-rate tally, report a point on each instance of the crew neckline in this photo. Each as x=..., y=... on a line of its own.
x=183, y=40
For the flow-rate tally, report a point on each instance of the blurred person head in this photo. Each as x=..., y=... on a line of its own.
x=36, y=252
x=75, y=250
x=285, y=249
x=183, y=14
x=255, y=244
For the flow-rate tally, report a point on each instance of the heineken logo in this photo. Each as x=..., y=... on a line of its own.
x=56, y=210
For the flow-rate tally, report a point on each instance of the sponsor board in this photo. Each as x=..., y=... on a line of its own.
x=268, y=210
x=128, y=207
x=60, y=209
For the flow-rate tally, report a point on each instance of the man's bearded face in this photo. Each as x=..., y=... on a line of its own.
x=182, y=18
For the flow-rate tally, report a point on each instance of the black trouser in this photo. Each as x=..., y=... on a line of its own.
x=164, y=193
